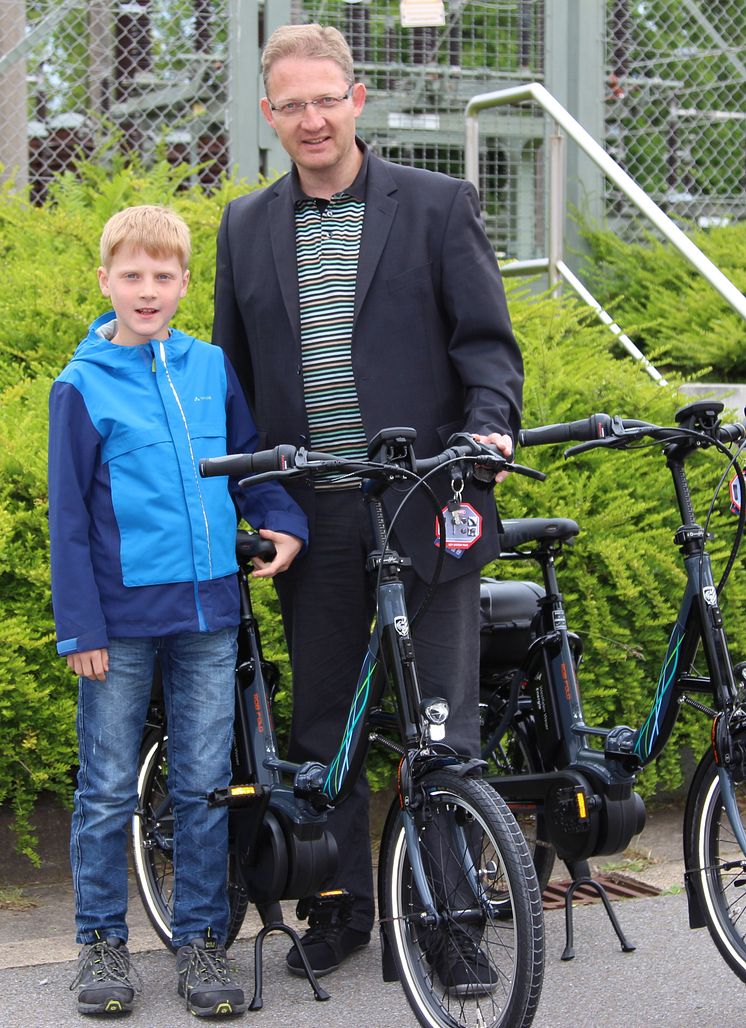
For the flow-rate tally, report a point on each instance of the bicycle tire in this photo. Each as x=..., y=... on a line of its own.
x=711, y=846
x=499, y=913
x=515, y=754
x=152, y=845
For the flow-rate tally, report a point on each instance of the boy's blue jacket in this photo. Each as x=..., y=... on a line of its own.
x=140, y=544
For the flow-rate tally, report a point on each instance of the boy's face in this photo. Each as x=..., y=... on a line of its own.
x=145, y=292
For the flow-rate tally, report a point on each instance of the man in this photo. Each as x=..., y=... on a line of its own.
x=354, y=295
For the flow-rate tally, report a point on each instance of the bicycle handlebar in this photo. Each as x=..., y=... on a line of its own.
x=287, y=460
x=603, y=430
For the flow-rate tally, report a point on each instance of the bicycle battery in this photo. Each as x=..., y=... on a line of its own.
x=508, y=612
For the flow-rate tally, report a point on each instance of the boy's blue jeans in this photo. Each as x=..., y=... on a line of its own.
x=198, y=685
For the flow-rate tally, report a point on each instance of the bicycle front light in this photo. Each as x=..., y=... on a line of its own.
x=435, y=711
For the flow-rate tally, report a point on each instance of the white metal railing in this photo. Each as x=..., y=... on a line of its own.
x=554, y=264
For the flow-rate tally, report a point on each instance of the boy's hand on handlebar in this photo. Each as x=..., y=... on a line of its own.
x=287, y=549
x=89, y=664
x=501, y=442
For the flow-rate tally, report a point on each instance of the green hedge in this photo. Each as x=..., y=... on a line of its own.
x=619, y=580
x=674, y=315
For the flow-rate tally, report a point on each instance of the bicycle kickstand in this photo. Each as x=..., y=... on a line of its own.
x=278, y=926
x=581, y=876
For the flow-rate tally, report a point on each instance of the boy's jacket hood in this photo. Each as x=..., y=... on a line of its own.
x=98, y=349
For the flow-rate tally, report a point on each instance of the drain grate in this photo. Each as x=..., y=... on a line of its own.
x=617, y=886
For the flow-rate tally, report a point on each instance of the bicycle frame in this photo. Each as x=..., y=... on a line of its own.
x=314, y=788
x=563, y=735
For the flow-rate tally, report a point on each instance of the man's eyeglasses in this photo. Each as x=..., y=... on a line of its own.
x=295, y=108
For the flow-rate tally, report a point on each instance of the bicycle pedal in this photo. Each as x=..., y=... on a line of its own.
x=235, y=796
x=332, y=905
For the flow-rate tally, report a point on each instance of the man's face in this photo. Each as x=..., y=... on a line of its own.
x=320, y=142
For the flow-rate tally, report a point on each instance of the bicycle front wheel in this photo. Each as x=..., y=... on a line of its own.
x=153, y=846
x=716, y=864
x=482, y=962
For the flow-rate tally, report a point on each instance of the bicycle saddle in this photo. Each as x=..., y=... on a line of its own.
x=518, y=531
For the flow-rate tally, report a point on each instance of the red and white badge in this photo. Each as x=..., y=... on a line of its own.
x=735, y=495
x=463, y=528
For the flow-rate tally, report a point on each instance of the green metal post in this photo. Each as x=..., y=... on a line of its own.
x=574, y=75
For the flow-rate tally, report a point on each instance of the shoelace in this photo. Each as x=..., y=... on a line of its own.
x=452, y=946
x=107, y=964
x=209, y=967
x=322, y=932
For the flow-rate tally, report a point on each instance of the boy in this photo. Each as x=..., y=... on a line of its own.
x=143, y=565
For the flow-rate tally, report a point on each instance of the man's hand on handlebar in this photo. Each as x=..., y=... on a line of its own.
x=287, y=549
x=501, y=442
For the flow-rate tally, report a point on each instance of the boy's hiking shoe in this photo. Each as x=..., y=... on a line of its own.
x=103, y=978
x=205, y=979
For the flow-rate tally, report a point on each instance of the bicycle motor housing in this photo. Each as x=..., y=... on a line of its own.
x=283, y=846
x=589, y=803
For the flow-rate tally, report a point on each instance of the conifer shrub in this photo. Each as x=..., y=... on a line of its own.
x=621, y=580
x=666, y=306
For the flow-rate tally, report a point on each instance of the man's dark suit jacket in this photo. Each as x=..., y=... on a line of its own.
x=432, y=346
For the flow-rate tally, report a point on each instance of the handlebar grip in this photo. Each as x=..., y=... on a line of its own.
x=240, y=465
x=732, y=433
x=597, y=426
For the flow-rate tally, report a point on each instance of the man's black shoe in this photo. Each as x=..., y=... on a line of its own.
x=103, y=978
x=463, y=969
x=205, y=979
x=326, y=948
x=328, y=940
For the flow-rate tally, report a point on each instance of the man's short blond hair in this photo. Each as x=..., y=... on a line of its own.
x=157, y=230
x=319, y=42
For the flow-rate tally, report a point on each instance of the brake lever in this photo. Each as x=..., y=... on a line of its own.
x=610, y=442
x=522, y=469
x=269, y=476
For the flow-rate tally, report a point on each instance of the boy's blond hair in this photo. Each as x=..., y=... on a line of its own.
x=157, y=230
x=321, y=42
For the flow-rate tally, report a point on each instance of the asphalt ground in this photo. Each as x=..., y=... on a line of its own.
x=675, y=977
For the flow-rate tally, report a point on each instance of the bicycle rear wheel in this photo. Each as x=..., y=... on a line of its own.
x=515, y=753
x=717, y=870
x=152, y=844
x=482, y=964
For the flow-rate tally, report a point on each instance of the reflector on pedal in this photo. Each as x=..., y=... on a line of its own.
x=582, y=811
x=242, y=790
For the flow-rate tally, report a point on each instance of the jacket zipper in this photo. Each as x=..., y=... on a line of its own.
x=191, y=452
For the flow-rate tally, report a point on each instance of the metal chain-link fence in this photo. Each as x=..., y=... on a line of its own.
x=80, y=78
x=676, y=103
x=156, y=77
